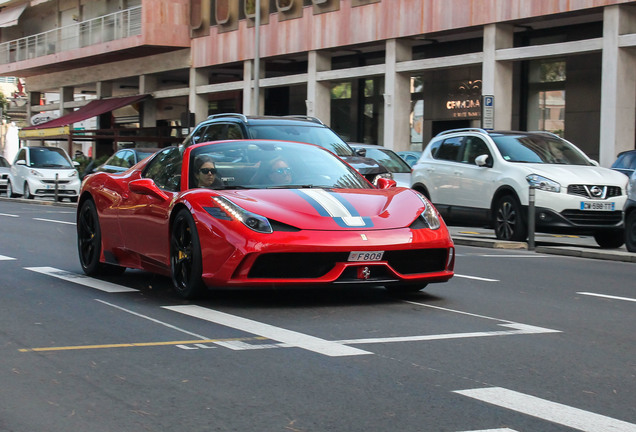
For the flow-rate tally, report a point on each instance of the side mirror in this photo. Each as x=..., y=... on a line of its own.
x=76, y=163
x=385, y=183
x=482, y=161
x=147, y=187
x=595, y=163
x=362, y=152
x=21, y=162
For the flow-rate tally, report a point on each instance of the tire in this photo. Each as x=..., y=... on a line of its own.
x=508, y=220
x=610, y=239
x=185, y=257
x=89, y=243
x=27, y=191
x=630, y=231
x=10, y=193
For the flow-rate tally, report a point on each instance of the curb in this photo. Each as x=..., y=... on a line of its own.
x=572, y=251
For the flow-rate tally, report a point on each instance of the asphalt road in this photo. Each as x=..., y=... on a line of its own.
x=517, y=341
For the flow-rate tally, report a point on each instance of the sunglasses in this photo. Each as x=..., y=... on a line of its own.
x=283, y=171
x=208, y=170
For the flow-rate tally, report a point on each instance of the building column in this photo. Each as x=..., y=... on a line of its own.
x=67, y=94
x=148, y=112
x=618, y=86
x=496, y=77
x=397, y=98
x=248, y=89
x=104, y=89
x=198, y=103
x=318, y=92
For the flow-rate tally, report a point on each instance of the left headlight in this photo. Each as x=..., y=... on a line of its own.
x=429, y=214
x=36, y=173
x=543, y=183
x=73, y=174
x=251, y=220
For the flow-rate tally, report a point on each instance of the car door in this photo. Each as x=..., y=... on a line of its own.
x=443, y=180
x=19, y=171
x=144, y=218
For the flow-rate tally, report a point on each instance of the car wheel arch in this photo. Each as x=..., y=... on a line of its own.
x=422, y=189
x=503, y=191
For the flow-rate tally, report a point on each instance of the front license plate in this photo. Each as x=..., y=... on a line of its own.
x=366, y=256
x=598, y=206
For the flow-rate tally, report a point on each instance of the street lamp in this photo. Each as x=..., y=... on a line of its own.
x=257, y=56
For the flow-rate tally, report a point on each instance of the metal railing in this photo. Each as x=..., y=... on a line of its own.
x=106, y=28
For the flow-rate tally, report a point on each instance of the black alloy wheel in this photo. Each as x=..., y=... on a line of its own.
x=630, y=231
x=10, y=193
x=89, y=238
x=610, y=239
x=508, y=221
x=89, y=242
x=185, y=256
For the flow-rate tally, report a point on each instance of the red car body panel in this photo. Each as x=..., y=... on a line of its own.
x=136, y=231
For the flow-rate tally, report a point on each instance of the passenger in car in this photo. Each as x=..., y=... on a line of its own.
x=205, y=174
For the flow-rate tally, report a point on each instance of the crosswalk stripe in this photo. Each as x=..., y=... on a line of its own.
x=547, y=410
x=81, y=279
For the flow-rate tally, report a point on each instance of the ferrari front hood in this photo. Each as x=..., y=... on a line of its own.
x=332, y=209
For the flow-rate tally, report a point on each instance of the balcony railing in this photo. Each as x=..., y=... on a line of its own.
x=107, y=28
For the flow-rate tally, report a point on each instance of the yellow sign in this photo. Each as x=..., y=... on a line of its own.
x=43, y=133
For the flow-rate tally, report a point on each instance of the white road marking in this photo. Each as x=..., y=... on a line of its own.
x=81, y=279
x=513, y=256
x=299, y=340
x=6, y=258
x=9, y=215
x=518, y=329
x=476, y=278
x=608, y=296
x=494, y=430
x=551, y=411
x=55, y=221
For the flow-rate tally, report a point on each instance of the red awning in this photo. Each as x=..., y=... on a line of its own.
x=91, y=109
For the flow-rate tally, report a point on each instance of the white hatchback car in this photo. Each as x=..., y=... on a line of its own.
x=41, y=171
x=483, y=178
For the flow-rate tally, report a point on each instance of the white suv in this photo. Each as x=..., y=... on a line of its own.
x=483, y=178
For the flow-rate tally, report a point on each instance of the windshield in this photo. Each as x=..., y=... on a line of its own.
x=48, y=157
x=318, y=135
x=539, y=149
x=269, y=164
x=389, y=159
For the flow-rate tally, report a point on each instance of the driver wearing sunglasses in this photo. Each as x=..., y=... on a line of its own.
x=280, y=172
x=205, y=173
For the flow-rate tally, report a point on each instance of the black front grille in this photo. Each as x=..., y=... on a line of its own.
x=581, y=217
x=53, y=181
x=583, y=190
x=310, y=265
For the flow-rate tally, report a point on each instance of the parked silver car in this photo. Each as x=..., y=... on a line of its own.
x=43, y=172
x=4, y=174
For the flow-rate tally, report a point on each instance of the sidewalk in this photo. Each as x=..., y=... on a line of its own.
x=567, y=245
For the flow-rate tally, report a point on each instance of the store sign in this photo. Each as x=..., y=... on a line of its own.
x=464, y=100
x=43, y=117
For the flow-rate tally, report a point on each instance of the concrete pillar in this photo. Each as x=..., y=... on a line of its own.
x=397, y=98
x=618, y=88
x=34, y=99
x=148, y=114
x=66, y=95
x=248, y=89
x=497, y=76
x=197, y=103
x=318, y=92
x=104, y=89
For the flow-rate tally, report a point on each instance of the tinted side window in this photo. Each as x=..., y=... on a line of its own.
x=474, y=147
x=165, y=169
x=450, y=149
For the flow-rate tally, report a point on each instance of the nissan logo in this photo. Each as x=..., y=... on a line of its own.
x=596, y=191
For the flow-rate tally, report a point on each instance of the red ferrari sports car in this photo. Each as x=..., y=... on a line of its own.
x=252, y=213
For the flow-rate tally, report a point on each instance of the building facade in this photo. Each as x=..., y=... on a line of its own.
x=387, y=72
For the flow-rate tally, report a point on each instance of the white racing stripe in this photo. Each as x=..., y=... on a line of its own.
x=551, y=411
x=332, y=206
x=608, y=296
x=81, y=279
x=299, y=340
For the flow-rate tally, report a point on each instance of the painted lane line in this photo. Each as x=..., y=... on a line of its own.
x=513, y=256
x=494, y=430
x=608, y=296
x=9, y=215
x=476, y=278
x=81, y=279
x=458, y=312
x=54, y=221
x=299, y=340
x=547, y=410
x=518, y=329
x=6, y=258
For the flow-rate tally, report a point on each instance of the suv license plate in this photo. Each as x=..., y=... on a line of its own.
x=366, y=256
x=598, y=206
